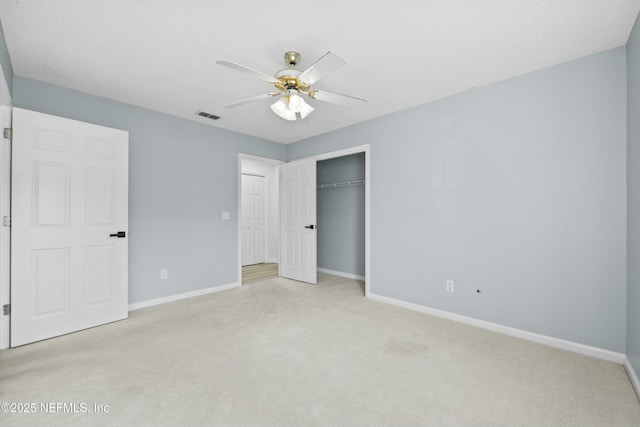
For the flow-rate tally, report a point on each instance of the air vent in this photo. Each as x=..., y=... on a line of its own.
x=208, y=115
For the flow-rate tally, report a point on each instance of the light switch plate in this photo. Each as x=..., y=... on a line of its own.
x=226, y=215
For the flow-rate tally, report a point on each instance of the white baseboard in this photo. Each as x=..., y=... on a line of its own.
x=341, y=274
x=632, y=375
x=587, y=350
x=274, y=261
x=178, y=297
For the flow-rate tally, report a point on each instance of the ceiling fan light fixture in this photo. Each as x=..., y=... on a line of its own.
x=281, y=109
x=287, y=106
x=305, y=110
x=295, y=102
x=279, y=106
x=289, y=115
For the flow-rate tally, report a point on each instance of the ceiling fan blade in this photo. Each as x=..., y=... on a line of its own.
x=252, y=99
x=323, y=66
x=336, y=98
x=247, y=70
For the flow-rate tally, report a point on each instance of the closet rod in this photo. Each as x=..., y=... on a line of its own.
x=341, y=184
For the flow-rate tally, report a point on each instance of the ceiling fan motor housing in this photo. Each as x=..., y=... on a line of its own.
x=288, y=81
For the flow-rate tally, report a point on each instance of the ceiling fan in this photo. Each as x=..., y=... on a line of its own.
x=291, y=83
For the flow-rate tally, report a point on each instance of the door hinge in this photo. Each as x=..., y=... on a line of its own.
x=6, y=221
x=7, y=133
x=6, y=309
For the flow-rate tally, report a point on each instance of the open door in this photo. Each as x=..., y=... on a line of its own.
x=69, y=226
x=298, y=237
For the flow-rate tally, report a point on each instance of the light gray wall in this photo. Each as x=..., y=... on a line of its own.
x=633, y=201
x=182, y=176
x=341, y=215
x=516, y=189
x=5, y=61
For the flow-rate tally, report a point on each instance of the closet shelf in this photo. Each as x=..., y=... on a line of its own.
x=341, y=184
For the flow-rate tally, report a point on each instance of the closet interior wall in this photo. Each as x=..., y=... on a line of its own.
x=341, y=215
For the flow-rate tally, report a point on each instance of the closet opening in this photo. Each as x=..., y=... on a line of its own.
x=345, y=168
x=341, y=218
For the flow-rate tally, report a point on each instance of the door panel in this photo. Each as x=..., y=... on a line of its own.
x=100, y=196
x=298, y=235
x=247, y=223
x=69, y=193
x=51, y=281
x=51, y=194
x=100, y=264
x=258, y=219
x=253, y=219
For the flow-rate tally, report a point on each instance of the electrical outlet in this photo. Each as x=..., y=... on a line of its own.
x=450, y=287
x=164, y=274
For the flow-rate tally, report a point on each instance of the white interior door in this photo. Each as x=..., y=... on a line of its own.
x=298, y=229
x=69, y=203
x=253, y=219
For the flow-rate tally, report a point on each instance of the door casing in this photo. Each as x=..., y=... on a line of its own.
x=5, y=209
x=5, y=232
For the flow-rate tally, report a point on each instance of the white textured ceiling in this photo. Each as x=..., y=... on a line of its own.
x=161, y=54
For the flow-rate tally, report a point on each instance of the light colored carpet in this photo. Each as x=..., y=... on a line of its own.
x=259, y=272
x=283, y=353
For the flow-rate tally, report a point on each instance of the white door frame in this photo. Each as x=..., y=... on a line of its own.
x=367, y=191
x=239, y=208
x=5, y=210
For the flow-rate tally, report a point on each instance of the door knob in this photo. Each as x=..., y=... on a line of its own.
x=310, y=227
x=119, y=234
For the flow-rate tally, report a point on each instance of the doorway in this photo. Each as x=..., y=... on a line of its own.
x=361, y=149
x=258, y=218
x=345, y=179
x=341, y=223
